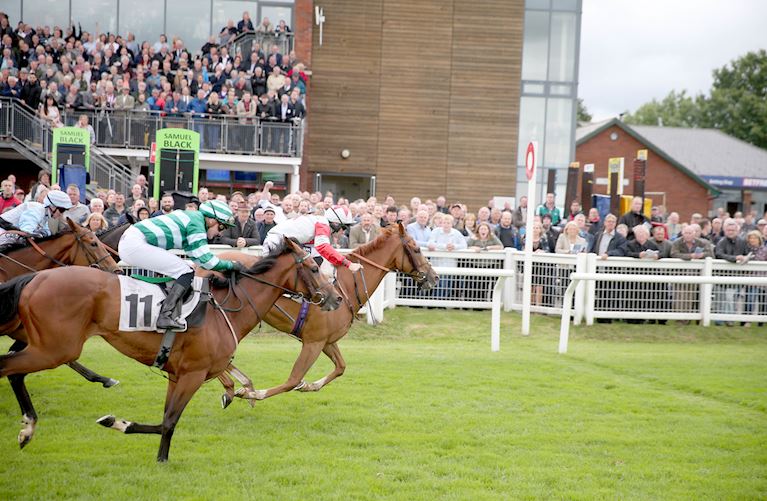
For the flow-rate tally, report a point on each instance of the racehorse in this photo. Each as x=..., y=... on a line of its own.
x=56, y=332
x=393, y=250
x=63, y=249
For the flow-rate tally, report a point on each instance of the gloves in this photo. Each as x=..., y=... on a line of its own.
x=238, y=267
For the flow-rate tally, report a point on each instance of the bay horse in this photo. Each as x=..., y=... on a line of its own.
x=73, y=248
x=393, y=250
x=62, y=308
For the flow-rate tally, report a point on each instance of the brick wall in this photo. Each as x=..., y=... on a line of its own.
x=682, y=193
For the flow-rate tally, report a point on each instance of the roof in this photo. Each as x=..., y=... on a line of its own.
x=696, y=152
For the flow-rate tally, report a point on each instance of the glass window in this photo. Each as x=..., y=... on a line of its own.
x=217, y=175
x=536, y=45
x=143, y=18
x=534, y=88
x=224, y=10
x=275, y=13
x=571, y=5
x=190, y=21
x=561, y=89
x=46, y=13
x=532, y=115
x=562, y=58
x=101, y=15
x=537, y=4
x=13, y=9
x=559, y=125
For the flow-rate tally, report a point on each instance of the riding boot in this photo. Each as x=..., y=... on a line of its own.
x=169, y=310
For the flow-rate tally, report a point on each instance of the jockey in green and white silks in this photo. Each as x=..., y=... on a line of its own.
x=146, y=244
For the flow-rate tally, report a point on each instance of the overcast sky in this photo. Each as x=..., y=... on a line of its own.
x=634, y=51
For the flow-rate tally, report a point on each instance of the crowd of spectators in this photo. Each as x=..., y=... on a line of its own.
x=54, y=71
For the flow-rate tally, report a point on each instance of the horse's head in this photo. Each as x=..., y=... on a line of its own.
x=321, y=292
x=413, y=263
x=89, y=251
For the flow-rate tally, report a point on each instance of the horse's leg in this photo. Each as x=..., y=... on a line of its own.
x=183, y=390
x=334, y=354
x=129, y=427
x=307, y=357
x=244, y=380
x=228, y=385
x=28, y=414
x=106, y=382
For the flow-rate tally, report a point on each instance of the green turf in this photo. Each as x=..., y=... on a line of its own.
x=425, y=411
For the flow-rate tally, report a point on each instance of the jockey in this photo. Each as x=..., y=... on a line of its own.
x=36, y=218
x=314, y=232
x=146, y=245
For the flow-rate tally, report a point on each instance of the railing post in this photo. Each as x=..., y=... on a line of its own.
x=564, y=326
x=705, y=292
x=390, y=289
x=495, y=320
x=580, y=291
x=508, y=285
x=591, y=287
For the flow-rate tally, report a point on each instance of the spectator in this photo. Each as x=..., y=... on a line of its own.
x=731, y=248
x=82, y=123
x=390, y=217
x=266, y=27
x=755, y=294
x=43, y=183
x=634, y=217
x=689, y=247
x=674, y=228
x=142, y=213
x=661, y=242
x=96, y=222
x=244, y=233
x=282, y=28
x=419, y=230
x=623, y=230
x=96, y=206
x=642, y=247
x=507, y=233
x=267, y=224
x=364, y=232
x=519, y=217
x=609, y=242
x=8, y=200
x=50, y=112
x=446, y=238
x=484, y=239
x=167, y=205
x=575, y=209
x=569, y=241
x=124, y=101
x=116, y=210
x=245, y=25
x=551, y=231
x=550, y=208
x=470, y=225
x=79, y=212
x=31, y=91
x=543, y=274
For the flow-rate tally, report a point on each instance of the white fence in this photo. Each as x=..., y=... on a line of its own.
x=468, y=280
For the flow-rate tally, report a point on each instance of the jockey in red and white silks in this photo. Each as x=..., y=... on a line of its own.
x=313, y=231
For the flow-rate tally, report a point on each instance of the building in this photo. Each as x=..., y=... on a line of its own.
x=417, y=98
x=688, y=170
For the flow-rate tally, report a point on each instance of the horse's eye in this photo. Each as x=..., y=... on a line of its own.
x=315, y=270
x=94, y=244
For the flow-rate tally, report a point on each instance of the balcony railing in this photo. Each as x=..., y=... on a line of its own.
x=231, y=135
x=244, y=42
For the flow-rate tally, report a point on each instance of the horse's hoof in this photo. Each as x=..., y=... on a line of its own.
x=110, y=382
x=24, y=439
x=107, y=421
x=225, y=401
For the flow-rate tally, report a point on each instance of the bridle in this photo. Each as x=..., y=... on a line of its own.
x=418, y=276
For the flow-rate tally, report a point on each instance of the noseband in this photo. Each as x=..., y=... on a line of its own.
x=419, y=277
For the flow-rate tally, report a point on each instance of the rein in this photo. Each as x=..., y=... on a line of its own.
x=42, y=252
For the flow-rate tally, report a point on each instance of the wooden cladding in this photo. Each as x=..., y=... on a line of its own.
x=424, y=94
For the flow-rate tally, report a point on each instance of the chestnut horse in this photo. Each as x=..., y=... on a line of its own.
x=62, y=308
x=63, y=249
x=393, y=250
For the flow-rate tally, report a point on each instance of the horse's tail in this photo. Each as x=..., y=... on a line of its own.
x=10, y=292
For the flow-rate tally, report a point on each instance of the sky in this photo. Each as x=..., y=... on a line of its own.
x=634, y=51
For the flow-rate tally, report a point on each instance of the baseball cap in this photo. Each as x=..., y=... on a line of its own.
x=456, y=205
x=761, y=222
x=269, y=208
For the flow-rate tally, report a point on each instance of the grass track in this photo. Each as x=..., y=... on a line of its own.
x=424, y=411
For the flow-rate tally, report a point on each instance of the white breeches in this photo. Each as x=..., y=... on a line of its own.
x=135, y=251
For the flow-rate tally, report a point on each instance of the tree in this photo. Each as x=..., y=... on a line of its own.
x=584, y=116
x=736, y=105
x=677, y=109
x=738, y=101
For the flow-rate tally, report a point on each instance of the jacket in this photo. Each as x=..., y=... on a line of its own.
x=616, y=247
x=357, y=235
x=247, y=231
x=729, y=248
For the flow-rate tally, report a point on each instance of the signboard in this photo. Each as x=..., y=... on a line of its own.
x=74, y=141
x=642, y=155
x=177, y=161
x=588, y=168
x=615, y=168
x=530, y=160
x=736, y=182
x=152, y=153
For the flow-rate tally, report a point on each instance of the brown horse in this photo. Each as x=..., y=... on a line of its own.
x=80, y=247
x=393, y=250
x=61, y=308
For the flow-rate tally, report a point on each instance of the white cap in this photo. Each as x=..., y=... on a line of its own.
x=57, y=198
x=339, y=214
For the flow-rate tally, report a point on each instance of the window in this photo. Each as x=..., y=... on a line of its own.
x=45, y=13
x=188, y=20
x=559, y=128
x=13, y=9
x=532, y=119
x=143, y=18
x=224, y=10
x=101, y=14
x=275, y=13
x=562, y=57
x=535, y=50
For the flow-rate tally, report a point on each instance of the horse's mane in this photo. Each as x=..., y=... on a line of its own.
x=267, y=262
x=109, y=231
x=378, y=242
x=24, y=243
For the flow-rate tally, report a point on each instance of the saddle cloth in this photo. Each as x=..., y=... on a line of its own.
x=140, y=303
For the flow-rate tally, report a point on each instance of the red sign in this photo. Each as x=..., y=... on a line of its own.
x=530, y=161
x=152, y=152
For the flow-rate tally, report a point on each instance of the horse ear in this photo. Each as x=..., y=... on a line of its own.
x=130, y=218
x=401, y=228
x=73, y=225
